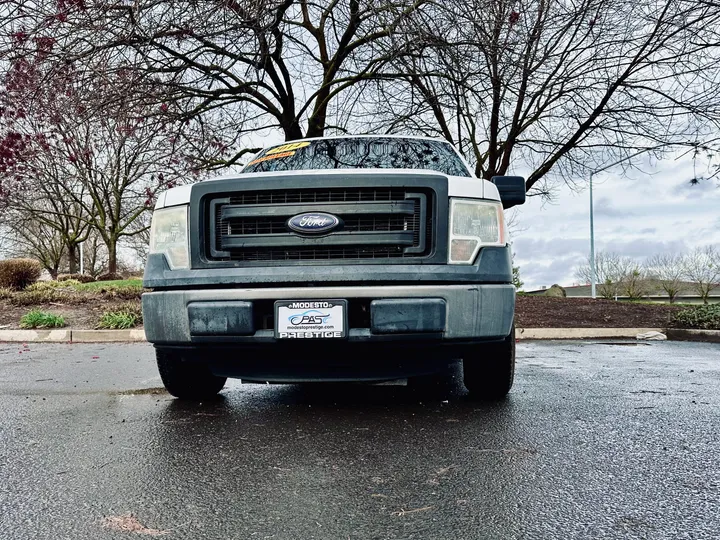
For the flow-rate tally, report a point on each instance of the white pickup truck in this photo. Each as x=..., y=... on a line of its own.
x=371, y=258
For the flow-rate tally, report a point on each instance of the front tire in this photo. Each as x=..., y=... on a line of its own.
x=489, y=369
x=187, y=380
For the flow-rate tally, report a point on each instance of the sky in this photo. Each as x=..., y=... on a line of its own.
x=638, y=213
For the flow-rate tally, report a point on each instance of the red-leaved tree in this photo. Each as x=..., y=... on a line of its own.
x=78, y=163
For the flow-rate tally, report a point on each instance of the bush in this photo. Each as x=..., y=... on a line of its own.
x=39, y=319
x=17, y=274
x=556, y=291
x=6, y=293
x=110, y=277
x=37, y=297
x=701, y=317
x=125, y=316
x=81, y=278
x=52, y=285
x=132, y=292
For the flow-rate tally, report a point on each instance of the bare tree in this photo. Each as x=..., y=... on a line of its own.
x=139, y=242
x=6, y=240
x=611, y=271
x=559, y=87
x=79, y=169
x=634, y=284
x=42, y=198
x=702, y=268
x=36, y=239
x=286, y=65
x=669, y=271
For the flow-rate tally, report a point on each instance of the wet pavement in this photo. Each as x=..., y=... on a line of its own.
x=595, y=441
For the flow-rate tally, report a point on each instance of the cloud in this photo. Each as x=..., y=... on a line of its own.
x=606, y=207
x=704, y=189
x=642, y=248
x=538, y=247
x=636, y=216
x=558, y=270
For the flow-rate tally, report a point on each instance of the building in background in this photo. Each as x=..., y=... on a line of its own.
x=655, y=294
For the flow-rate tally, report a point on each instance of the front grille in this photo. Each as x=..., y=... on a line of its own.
x=378, y=223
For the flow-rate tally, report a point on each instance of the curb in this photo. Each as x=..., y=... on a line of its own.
x=581, y=333
x=35, y=336
x=72, y=336
x=138, y=335
x=711, y=336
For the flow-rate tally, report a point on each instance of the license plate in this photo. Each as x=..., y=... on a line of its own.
x=310, y=319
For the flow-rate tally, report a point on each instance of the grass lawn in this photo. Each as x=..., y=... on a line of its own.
x=118, y=284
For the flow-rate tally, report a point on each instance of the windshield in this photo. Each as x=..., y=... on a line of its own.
x=361, y=153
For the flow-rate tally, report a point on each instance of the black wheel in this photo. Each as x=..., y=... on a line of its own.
x=489, y=368
x=187, y=380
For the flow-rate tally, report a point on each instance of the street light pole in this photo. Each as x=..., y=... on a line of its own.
x=593, y=275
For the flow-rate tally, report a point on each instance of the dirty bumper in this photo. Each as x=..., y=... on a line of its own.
x=373, y=314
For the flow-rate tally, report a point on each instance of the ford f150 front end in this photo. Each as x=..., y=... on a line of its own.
x=344, y=259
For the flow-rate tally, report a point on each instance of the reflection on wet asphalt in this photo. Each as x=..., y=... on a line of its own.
x=595, y=441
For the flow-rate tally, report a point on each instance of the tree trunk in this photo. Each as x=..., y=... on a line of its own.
x=316, y=122
x=72, y=258
x=112, y=256
x=291, y=128
x=53, y=272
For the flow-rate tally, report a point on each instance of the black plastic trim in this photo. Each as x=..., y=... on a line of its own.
x=223, y=318
x=407, y=315
x=400, y=238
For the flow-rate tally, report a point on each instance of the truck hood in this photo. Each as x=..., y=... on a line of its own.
x=458, y=186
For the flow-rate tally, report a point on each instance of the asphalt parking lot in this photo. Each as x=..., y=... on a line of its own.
x=595, y=441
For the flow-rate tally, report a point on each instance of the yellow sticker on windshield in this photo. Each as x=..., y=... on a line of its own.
x=287, y=148
x=274, y=156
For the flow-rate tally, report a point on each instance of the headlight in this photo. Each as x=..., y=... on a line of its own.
x=169, y=235
x=474, y=224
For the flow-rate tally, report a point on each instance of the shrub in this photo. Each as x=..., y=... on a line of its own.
x=110, y=277
x=133, y=292
x=19, y=273
x=125, y=316
x=6, y=293
x=556, y=291
x=52, y=285
x=37, y=297
x=82, y=278
x=40, y=319
x=703, y=317
x=51, y=296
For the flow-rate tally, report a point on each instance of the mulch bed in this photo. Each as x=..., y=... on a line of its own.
x=531, y=312
x=76, y=316
x=548, y=312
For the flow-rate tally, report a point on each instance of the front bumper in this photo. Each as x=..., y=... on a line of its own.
x=435, y=313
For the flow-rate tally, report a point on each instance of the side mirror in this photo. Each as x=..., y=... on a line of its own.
x=511, y=188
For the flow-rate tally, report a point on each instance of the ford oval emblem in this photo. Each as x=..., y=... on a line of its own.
x=313, y=223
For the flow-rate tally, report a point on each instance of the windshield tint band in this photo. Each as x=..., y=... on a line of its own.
x=361, y=153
